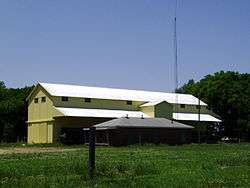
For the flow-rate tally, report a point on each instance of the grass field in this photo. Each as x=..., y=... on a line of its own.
x=222, y=165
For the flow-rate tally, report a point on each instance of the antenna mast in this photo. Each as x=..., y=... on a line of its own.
x=175, y=50
x=175, y=63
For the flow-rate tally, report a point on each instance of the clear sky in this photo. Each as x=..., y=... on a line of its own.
x=121, y=43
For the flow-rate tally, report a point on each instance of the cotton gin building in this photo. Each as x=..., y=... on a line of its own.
x=56, y=110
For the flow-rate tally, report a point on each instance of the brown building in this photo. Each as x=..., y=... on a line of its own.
x=125, y=131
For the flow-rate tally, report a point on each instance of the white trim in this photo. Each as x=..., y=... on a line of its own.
x=195, y=117
x=102, y=113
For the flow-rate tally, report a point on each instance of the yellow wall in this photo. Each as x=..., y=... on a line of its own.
x=50, y=138
x=40, y=110
x=74, y=102
x=149, y=110
x=40, y=132
x=40, y=118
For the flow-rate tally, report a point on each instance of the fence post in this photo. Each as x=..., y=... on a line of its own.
x=91, y=162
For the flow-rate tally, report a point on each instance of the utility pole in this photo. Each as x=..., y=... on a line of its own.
x=199, y=119
x=91, y=162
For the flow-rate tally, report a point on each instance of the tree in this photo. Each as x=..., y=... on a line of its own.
x=13, y=113
x=228, y=95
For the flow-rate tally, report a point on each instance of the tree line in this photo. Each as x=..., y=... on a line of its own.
x=226, y=93
x=13, y=113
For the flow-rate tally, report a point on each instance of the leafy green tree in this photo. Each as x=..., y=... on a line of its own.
x=228, y=95
x=13, y=113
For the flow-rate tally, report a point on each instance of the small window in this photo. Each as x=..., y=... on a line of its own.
x=43, y=99
x=65, y=98
x=129, y=102
x=198, y=107
x=182, y=105
x=36, y=100
x=87, y=99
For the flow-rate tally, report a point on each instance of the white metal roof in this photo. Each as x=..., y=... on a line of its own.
x=82, y=112
x=195, y=117
x=117, y=94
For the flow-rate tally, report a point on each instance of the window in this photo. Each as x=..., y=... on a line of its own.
x=36, y=100
x=87, y=99
x=182, y=105
x=129, y=102
x=43, y=99
x=65, y=98
x=198, y=107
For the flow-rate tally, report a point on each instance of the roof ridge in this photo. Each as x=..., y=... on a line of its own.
x=100, y=87
x=117, y=94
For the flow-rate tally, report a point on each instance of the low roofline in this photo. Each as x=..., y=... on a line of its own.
x=160, y=123
x=146, y=127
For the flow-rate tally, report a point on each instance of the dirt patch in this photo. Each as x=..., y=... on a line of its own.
x=15, y=150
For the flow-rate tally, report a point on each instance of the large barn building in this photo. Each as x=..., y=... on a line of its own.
x=57, y=108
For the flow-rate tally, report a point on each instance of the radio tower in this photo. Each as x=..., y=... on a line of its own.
x=175, y=62
x=175, y=50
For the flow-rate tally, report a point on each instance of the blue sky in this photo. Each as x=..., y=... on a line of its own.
x=121, y=43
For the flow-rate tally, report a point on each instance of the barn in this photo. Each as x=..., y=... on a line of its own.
x=59, y=112
x=126, y=131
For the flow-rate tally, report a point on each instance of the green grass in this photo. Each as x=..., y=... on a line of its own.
x=22, y=144
x=222, y=165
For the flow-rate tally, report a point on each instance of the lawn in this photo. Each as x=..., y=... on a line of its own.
x=221, y=165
